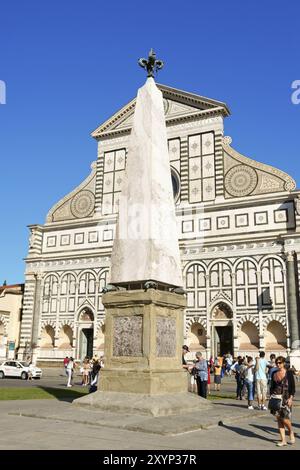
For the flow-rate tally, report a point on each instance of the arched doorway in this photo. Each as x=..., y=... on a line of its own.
x=222, y=329
x=85, y=334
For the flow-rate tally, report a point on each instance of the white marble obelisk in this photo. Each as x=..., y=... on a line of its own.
x=146, y=241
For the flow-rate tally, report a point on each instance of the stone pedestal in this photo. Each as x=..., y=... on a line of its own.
x=143, y=341
x=143, y=371
x=295, y=358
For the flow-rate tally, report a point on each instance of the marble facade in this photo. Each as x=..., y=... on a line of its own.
x=238, y=224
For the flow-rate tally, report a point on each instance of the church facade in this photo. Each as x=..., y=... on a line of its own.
x=239, y=236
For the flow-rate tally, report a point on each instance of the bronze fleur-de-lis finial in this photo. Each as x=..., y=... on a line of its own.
x=152, y=65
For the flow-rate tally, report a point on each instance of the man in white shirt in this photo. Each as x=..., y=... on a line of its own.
x=261, y=369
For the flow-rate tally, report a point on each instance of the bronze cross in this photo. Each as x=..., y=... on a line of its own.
x=152, y=65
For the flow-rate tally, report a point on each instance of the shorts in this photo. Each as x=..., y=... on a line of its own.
x=261, y=389
x=217, y=379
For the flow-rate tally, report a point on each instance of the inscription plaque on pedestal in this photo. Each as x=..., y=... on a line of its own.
x=127, y=336
x=165, y=337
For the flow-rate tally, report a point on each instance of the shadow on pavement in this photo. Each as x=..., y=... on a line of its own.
x=295, y=425
x=267, y=429
x=64, y=394
x=246, y=432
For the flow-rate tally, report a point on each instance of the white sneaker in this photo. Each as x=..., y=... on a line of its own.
x=264, y=408
x=250, y=408
x=69, y=385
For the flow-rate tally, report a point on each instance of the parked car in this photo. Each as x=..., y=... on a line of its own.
x=19, y=369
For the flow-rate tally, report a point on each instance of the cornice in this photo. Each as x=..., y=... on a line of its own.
x=211, y=107
x=185, y=97
x=173, y=121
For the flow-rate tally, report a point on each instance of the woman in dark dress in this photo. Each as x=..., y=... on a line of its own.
x=283, y=386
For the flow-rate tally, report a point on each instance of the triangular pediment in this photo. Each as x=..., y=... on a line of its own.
x=178, y=105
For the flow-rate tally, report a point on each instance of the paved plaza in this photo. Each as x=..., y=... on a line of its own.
x=57, y=424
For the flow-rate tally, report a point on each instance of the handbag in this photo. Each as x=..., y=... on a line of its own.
x=275, y=402
x=285, y=412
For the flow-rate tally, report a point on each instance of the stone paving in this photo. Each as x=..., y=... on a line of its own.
x=53, y=424
x=25, y=432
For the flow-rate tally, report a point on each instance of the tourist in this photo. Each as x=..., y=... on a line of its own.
x=282, y=390
x=185, y=350
x=228, y=362
x=222, y=362
x=185, y=365
x=94, y=375
x=271, y=368
x=261, y=369
x=70, y=369
x=217, y=374
x=211, y=364
x=66, y=360
x=30, y=371
x=193, y=372
x=85, y=371
x=249, y=381
x=201, y=366
x=239, y=370
x=208, y=378
x=235, y=364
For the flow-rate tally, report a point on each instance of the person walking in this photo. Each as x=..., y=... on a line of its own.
x=261, y=369
x=201, y=377
x=217, y=374
x=30, y=371
x=70, y=368
x=282, y=389
x=249, y=381
x=66, y=360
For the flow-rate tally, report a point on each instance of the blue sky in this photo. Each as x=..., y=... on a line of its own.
x=69, y=65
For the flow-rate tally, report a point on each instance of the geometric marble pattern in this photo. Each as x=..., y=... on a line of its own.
x=201, y=167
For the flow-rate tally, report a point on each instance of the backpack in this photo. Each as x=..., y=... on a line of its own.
x=243, y=371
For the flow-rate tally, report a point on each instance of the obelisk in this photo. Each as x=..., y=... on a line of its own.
x=146, y=242
x=145, y=302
